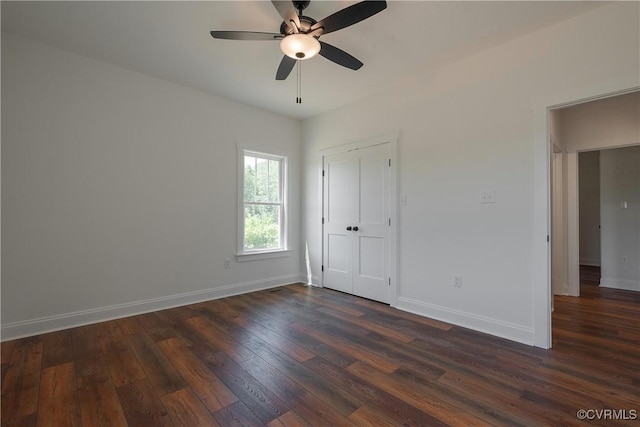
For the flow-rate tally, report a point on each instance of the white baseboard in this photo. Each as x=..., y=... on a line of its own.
x=625, y=284
x=592, y=262
x=315, y=281
x=58, y=322
x=510, y=331
x=560, y=289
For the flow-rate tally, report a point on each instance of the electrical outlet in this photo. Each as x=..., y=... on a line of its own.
x=227, y=263
x=625, y=260
x=488, y=197
x=457, y=280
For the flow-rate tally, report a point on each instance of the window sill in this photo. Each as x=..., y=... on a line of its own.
x=254, y=256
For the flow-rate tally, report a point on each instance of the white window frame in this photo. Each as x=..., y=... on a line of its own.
x=248, y=255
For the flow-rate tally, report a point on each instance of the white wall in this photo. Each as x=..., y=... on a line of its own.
x=589, y=205
x=620, y=216
x=466, y=128
x=605, y=123
x=119, y=191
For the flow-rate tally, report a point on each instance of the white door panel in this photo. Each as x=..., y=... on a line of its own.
x=373, y=168
x=338, y=245
x=338, y=173
x=370, y=278
x=372, y=251
x=338, y=253
x=356, y=222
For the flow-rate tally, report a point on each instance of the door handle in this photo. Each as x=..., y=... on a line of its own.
x=349, y=228
x=355, y=228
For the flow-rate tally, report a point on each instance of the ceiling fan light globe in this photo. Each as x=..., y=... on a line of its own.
x=300, y=46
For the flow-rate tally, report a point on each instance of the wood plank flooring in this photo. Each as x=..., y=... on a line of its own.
x=298, y=356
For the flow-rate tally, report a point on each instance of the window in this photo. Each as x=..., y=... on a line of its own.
x=263, y=209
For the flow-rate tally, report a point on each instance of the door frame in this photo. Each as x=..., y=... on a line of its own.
x=541, y=251
x=392, y=139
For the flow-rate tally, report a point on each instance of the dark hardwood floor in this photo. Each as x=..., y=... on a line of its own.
x=298, y=356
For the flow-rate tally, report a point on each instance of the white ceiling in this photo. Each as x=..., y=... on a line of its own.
x=170, y=40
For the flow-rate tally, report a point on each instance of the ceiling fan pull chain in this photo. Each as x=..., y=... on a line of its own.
x=299, y=82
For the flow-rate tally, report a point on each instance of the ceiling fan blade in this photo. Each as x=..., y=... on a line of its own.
x=350, y=15
x=287, y=10
x=245, y=35
x=285, y=67
x=339, y=56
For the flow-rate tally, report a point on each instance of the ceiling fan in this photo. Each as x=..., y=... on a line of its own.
x=299, y=34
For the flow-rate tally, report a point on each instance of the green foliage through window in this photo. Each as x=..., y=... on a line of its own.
x=262, y=202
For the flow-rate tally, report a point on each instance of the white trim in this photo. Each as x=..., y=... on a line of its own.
x=541, y=253
x=316, y=281
x=393, y=140
x=541, y=248
x=572, y=225
x=46, y=324
x=626, y=284
x=254, y=256
x=363, y=143
x=283, y=158
x=510, y=331
x=394, y=248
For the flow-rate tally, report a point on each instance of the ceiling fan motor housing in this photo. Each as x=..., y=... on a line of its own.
x=305, y=25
